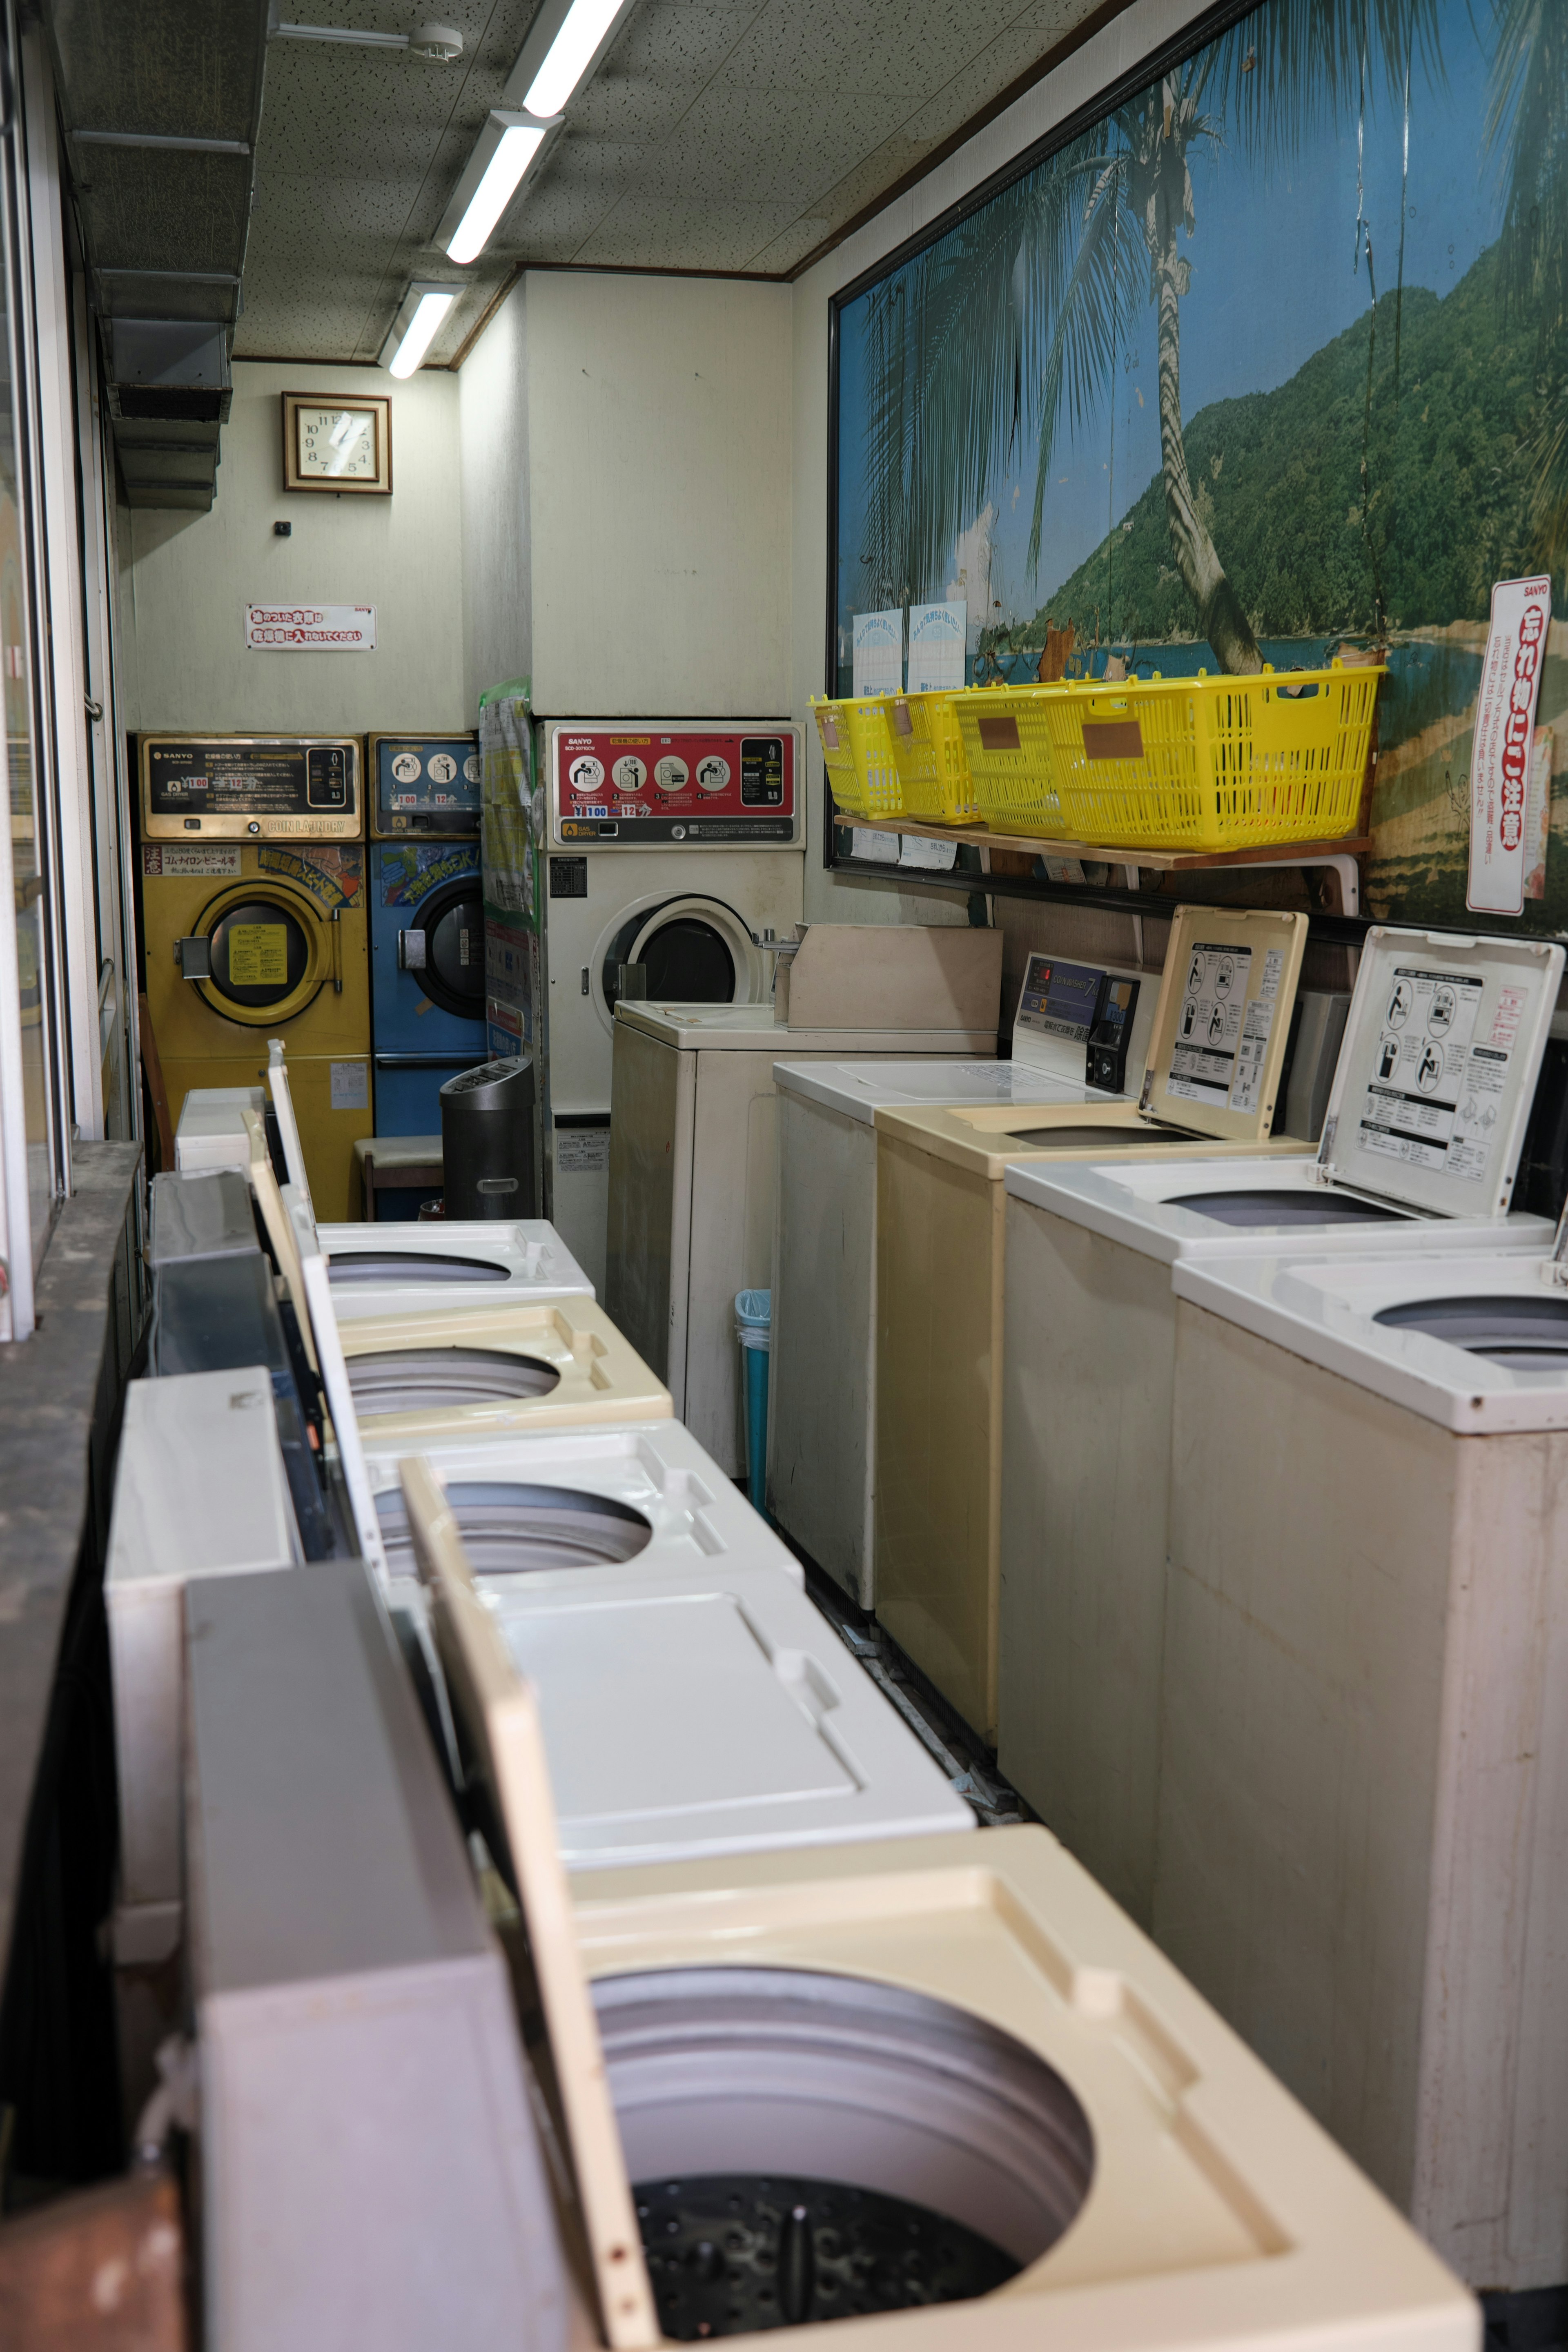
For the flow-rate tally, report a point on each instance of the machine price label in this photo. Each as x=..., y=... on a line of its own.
x=192, y=781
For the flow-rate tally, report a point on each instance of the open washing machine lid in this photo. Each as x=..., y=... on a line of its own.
x=205, y=1215
x=1476, y=1342
x=685, y=1711
x=1236, y=1208
x=967, y=2024
x=1442, y=1050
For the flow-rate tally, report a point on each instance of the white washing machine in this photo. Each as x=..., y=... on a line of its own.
x=1089, y=1351
x=211, y=1132
x=695, y=1702
x=694, y=1159
x=672, y=845
x=413, y=1270
x=913, y=2073
x=926, y=2092
x=1363, y=1806
x=823, y=1381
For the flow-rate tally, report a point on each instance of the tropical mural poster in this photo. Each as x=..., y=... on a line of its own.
x=1268, y=363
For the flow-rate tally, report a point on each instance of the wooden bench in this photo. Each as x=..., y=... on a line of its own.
x=397, y=1164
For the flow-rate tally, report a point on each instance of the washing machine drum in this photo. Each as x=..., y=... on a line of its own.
x=509, y=1527
x=453, y=975
x=270, y=951
x=695, y=951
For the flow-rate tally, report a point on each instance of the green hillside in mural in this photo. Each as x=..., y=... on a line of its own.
x=1442, y=514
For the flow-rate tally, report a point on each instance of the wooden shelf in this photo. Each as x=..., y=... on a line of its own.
x=1164, y=861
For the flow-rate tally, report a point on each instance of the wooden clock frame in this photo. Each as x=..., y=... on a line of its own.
x=373, y=403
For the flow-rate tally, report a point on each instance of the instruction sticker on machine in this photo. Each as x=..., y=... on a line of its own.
x=1436, y=1088
x=1205, y=1059
x=259, y=955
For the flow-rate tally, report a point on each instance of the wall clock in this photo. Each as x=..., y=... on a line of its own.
x=337, y=443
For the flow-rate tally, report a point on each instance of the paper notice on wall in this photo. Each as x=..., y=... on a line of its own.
x=350, y=1085
x=883, y=847
x=1502, y=754
x=1538, y=821
x=936, y=856
x=1203, y=1062
x=880, y=652
x=310, y=628
x=937, y=636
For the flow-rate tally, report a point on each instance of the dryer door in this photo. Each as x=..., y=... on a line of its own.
x=449, y=927
x=270, y=951
x=695, y=950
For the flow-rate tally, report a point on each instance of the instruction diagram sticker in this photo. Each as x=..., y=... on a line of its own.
x=1209, y=1026
x=1436, y=1089
x=1503, y=752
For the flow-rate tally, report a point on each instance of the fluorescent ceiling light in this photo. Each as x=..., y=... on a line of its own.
x=506, y=150
x=414, y=330
x=565, y=42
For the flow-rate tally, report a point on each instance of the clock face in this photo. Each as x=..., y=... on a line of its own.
x=337, y=443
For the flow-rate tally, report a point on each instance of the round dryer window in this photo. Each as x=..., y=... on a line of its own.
x=452, y=922
x=270, y=951
x=693, y=950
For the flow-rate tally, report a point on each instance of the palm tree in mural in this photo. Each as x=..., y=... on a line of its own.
x=1527, y=129
x=1013, y=325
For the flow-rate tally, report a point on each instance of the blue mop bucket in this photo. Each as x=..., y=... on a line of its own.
x=753, y=1329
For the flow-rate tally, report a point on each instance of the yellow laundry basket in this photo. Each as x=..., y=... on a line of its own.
x=1202, y=763
x=1008, y=746
x=860, y=765
x=929, y=753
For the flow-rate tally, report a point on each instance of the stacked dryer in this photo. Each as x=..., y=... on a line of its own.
x=672, y=847
x=426, y=925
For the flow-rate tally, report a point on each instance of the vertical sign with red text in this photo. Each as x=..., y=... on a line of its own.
x=1504, y=748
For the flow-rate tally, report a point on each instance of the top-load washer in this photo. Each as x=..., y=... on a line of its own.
x=444, y=1265
x=693, y=1147
x=1416, y=1157
x=695, y=1702
x=1210, y=1083
x=937, y=2087
x=821, y=1385
x=1364, y=1785
x=674, y=846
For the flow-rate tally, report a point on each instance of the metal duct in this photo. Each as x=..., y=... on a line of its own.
x=160, y=104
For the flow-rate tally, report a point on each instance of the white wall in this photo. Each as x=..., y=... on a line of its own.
x=492, y=423
x=660, y=481
x=186, y=579
x=1131, y=37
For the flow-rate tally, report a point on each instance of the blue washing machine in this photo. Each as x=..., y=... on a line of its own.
x=426, y=926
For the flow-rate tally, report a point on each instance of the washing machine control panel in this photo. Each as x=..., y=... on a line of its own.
x=423, y=784
x=250, y=788
x=619, y=783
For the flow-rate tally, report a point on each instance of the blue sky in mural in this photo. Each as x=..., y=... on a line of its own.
x=1277, y=273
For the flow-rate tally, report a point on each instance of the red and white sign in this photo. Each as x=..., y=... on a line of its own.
x=310, y=628
x=1503, y=753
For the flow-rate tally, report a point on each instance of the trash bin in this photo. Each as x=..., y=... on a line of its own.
x=487, y=1141
x=753, y=1329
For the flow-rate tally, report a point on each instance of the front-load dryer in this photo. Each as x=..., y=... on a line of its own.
x=675, y=847
x=426, y=924
x=1210, y=1086
x=823, y=1377
x=1363, y=1788
x=253, y=908
x=1090, y=1347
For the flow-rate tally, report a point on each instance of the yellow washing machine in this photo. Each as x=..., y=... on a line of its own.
x=254, y=926
x=1217, y=1057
